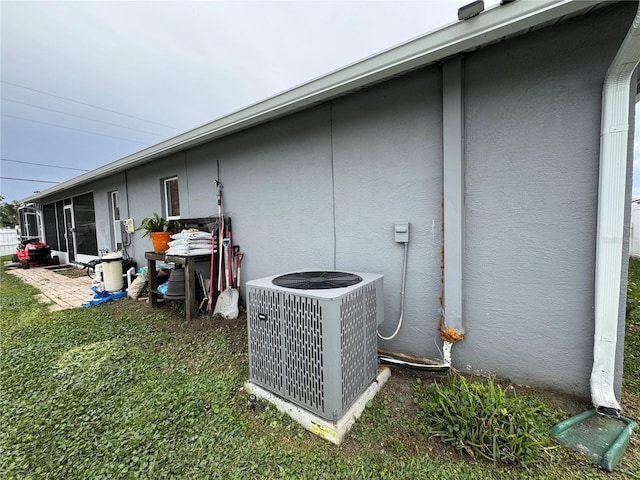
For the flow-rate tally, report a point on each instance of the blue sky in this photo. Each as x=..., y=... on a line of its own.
x=86, y=83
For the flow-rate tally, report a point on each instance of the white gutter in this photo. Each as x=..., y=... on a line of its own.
x=614, y=150
x=491, y=26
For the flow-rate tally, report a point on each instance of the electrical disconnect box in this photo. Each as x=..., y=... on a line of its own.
x=128, y=225
x=401, y=232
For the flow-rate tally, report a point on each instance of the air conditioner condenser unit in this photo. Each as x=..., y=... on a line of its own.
x=312, y=337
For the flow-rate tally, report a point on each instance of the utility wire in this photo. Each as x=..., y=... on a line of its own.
x=80, y=116
x=70, y=128
x=88, y=104
x=28, y=180
x=42, y=164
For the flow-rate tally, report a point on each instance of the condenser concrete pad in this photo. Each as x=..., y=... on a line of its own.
x=334, y=432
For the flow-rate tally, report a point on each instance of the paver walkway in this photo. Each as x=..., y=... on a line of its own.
x=63, y=292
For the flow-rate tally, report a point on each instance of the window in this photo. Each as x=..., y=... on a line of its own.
x=115, y=205
x=28, y=222
x=114, y=211
x=171, y=198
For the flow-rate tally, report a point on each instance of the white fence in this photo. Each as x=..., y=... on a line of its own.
x=8, y=241
x=634, y=241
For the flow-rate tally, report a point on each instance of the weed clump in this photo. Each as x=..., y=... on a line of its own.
x=483, y=420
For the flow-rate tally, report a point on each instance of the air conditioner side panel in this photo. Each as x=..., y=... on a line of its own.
x=265, y=339
x=358, y=340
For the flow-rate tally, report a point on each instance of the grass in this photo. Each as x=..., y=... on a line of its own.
x=483, y=419
x=124, y=391
x=631, y=375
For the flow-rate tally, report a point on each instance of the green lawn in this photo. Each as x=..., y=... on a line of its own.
x=631, y=379
x=124, y=391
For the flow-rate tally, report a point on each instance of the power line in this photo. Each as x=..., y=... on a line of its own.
x=28, y=180
x=80, y=116
x=88, y=104
x=70, y=128
x=42, y=164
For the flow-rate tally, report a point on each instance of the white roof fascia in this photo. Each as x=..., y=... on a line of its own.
x=487, y=27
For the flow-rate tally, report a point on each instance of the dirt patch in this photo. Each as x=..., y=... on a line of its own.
x=70, y=272
x=399, y=389
x=127, y=306
x=203, y=324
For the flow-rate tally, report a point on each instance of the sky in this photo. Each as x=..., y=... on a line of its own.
x=86, y=83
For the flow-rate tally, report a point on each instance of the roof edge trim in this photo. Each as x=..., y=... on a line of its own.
x=490, y=26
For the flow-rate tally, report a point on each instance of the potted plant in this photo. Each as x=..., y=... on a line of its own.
x=160, y=230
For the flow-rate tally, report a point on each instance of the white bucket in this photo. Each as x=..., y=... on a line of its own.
x=112, y=272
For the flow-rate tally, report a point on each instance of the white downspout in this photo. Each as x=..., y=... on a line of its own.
x=614, y=137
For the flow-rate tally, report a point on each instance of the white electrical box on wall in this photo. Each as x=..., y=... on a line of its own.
x=128, y=225
x=118, y=227
x=401, y=232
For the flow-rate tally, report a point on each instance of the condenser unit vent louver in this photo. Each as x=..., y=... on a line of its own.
x=312, y=337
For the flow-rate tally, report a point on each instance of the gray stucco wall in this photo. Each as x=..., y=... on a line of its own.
x=532, y=152
x=369, y=159
x=387, y=144
x=322, y=188
x=145, y=188
x=277, y=188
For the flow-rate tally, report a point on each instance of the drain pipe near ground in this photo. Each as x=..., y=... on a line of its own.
x=614, y=145
x=401, y=231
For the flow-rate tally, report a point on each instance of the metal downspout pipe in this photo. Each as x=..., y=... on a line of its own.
x=451, y=325
x=453, y=171
x=614, y=150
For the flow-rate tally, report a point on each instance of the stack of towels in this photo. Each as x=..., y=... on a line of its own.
x=189, y=243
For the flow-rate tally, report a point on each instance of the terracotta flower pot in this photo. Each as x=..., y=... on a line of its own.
x=160, y=241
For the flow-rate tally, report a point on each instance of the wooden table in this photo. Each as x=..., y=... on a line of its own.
x=191, y=302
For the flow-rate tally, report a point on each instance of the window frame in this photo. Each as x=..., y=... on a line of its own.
x=114, y=211
x=167, y=197
x=115, y=205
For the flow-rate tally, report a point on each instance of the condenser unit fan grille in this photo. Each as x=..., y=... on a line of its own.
x=322, y=280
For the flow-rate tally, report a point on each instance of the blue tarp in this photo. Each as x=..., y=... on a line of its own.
x=102, y=297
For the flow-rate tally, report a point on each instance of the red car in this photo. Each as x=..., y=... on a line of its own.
x=32, y=252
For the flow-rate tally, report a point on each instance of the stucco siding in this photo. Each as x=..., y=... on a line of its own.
x=277, y=189
x=532, y=146
x=387, y=156
x=144, y=190
x=101, y=201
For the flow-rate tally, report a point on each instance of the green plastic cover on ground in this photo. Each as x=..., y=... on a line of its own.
x=601, y=438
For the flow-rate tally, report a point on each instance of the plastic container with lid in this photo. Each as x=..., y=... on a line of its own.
x=112, y=272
